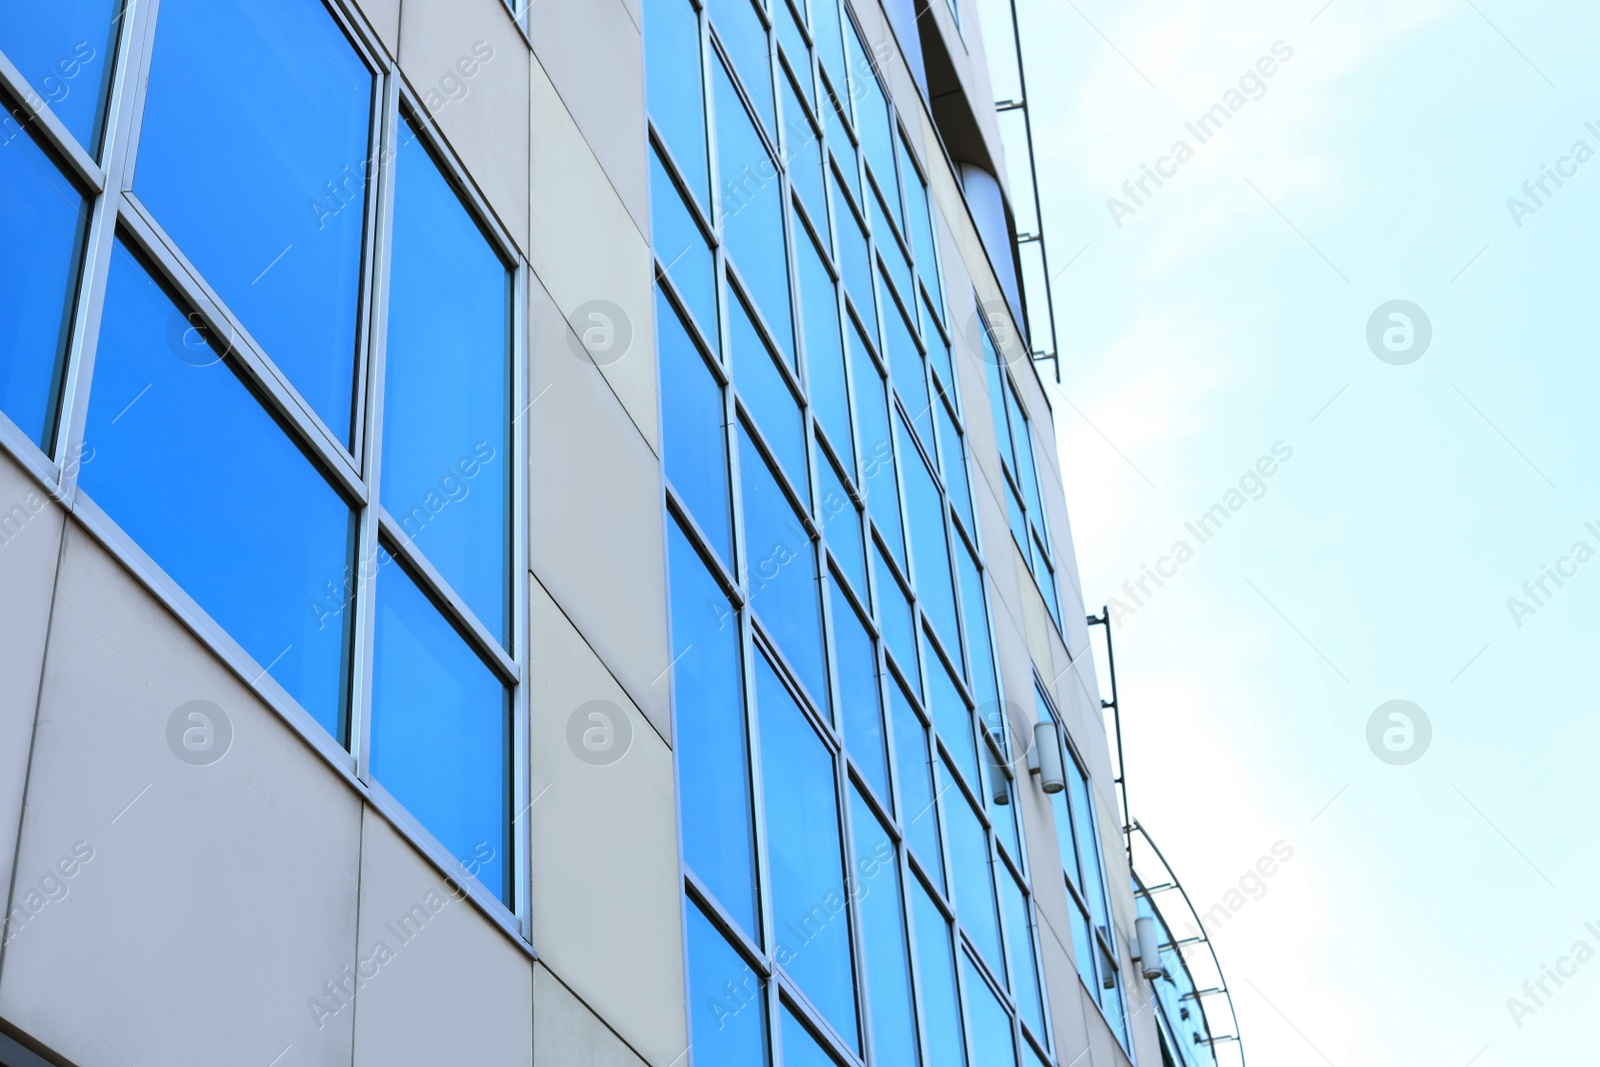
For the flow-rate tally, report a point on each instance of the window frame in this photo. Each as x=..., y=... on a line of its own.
x=115, y=213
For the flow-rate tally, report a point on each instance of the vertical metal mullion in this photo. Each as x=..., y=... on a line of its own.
x=521, y=575
x=119, y=146
x=366, y=567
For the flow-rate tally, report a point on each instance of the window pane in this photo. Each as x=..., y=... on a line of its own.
x=974, y=874
x=1023, y=445
x=441, y=730
x=279, y=588
x=43, y=219
x=803, y=152
x=446, y=395
x=997, y=397
x=894, y=260
x=939, y=354
x=800, y=1049
x=787, y=26
x=727, y=1000
x=917, y=812
x=682, y=249
x=905, y=368
x=883, y=928
x=877, y=454
x=841, y=525
x=782, y=572
x=745, y=39
x=824, y=354
x=752, y=209
x=951, y=718
x=941, y=1011
x=713, y=767
x=854, y=262
x=830, y=42
x=992, y=1041
x=272, y=211
x=65, y=48
x=1084, y=830
x=953, y=447
x=804, y=854
x=872, y=112
x=980, y=661
x=894, y=615
x=693, y=429
x=1083, y=949
x=925, y=511
x=767, y=395
x=677, y=106
x=858, y=692
x=1019, y=951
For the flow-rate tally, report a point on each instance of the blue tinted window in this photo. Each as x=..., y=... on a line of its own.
x=1023, y=442
x=672, y=70
x=1083, y=828
x=841, y=525
x=804, y=854
x=854, y=261
x=446, y=398
x=883, y=928
x=997, y=397
x=745, y=39
x=894, y=613
x=802, y=150
x=915, y=776
x=951, y=718
x=824, y=354
x=42, y=223
x=257, y=537
x=1046, y=577
x=272, y=211
x=787, y=26
x=992, y=1041
x=782, y=571
x=931, y=552
x=877, y=453
x=939, y=356
x=1083, y=948
x=953, y=448
x=65, y=49
x=441, y=730
x=800, y=1049
x=857, y=664
x=894, y=260
x=1019, y=951
x=919, y=225
x=714, y=774
x=765, y=392
x=905, y=368
x=974, y=875
x=682, y=249
x=752, y=208
x=872, y=112
x=830, y=42
x=936, y=967
x=692, y=429
x=727, y=1000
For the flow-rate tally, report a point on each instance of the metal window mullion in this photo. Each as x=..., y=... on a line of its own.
x=119, y=140
x=521, y=604
x=372, y=438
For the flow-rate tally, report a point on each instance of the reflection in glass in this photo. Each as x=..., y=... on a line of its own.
x=183, y=457
x=65, y=49
x=693, y=433
x=272, y=211
x=727, y=1000
x=858, y=692
x=992, y=1041
x=672, y=72
x=681, y=247
x=441, y=730
x=915, y=776
x=877, y=886
x=936, y=967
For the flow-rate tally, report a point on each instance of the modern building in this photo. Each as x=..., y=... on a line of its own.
x=532, y=537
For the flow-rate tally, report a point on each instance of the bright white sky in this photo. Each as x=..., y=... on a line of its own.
x=1229, y=313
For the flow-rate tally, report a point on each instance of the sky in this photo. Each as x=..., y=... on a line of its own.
x=1417, y=482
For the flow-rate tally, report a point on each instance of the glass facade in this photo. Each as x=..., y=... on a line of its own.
x=853, y=891
x=299, y=410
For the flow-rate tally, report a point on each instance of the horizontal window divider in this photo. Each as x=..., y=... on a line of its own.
x=707, y=352
x=879, y=807
x=747, y=425
x=397, y=542
x=736, y=79
x=39, y=466
x=766, y=643
x=919, y=871
x=997, y=984
x=859, y=602
x=725, y=577
x=685, y=193
x=282, y=400
x=18, y=96
x=750, y=951
x=758, y=317
x=795, y=999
